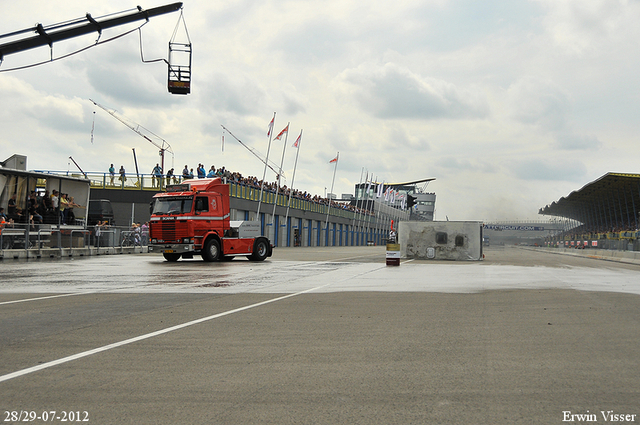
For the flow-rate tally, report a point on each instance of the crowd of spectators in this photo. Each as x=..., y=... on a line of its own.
x=39, y=208
x=254, y=182
x=584, y=229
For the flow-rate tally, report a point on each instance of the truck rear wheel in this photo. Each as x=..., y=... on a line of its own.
x=211, y=251
x=171, y=257
x=260, y=250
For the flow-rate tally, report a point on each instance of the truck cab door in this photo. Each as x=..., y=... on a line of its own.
x=201, y=224
x=218, y=212
x=202, y=205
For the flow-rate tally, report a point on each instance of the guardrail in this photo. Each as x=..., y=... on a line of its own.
x=99, y=235
x=23, y=236
x=86, y=233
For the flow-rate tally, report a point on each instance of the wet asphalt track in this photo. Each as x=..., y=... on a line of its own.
x=320, y=336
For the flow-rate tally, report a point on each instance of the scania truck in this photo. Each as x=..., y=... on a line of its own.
x=193, y=217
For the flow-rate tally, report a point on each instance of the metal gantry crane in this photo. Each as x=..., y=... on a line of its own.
x=78, y=27
x=179, y=74
x=159, y=142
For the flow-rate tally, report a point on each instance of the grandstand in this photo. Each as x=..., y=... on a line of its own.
x=602, y=214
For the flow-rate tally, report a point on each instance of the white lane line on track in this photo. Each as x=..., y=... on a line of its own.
x=147, y=336
x=45, y=298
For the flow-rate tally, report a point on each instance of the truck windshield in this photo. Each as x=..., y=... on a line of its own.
x=172, y=205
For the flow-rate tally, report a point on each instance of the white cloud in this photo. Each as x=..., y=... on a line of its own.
x=587, y=27
x=390, y=91
x=539, y=102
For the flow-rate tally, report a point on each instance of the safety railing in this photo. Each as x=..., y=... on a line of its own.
x=102, y=235
x=133, y=238
x=132, y=181
x=86, y=234
x=22, y=236
x=252, y=193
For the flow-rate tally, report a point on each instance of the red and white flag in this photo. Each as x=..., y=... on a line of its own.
x=270, y=127
x=333, y=160
x=297, y=142
x=285, y=130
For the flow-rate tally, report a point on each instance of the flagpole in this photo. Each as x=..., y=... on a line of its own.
x=357, y=216
x=264, y=173
x=368, y=204
x=361, y=210
x=363, y=207
x=295, y=164
x=379, y=189
x=326, y=223
x=275, y=202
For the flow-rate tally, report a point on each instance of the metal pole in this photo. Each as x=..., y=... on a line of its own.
x=264, y=173
x=275, y=202
x=135, y=161
x=326, y=224
x=295, y=165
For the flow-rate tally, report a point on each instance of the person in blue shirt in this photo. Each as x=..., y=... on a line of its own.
x=156, y=175
x=212, y=172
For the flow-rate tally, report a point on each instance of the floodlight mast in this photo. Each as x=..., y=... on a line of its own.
x=163, y=147
x=46, y=36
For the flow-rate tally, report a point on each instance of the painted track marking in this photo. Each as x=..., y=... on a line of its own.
x=77, y=356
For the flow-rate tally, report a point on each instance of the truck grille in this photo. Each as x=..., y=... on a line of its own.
x=169, y=231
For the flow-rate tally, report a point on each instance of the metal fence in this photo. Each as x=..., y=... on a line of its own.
x=40, y=237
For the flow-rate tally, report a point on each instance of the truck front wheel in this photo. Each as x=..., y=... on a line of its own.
x=211, y=251
x=260, y=250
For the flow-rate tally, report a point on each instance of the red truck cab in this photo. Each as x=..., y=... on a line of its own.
x=194, y=218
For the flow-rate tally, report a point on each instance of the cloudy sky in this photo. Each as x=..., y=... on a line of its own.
x=509, y=105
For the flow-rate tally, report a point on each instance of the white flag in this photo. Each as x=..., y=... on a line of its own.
x=270, y=127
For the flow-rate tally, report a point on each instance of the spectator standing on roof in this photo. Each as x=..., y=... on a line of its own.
x=185, y=173
x=212, y=172
x=169, y=176
x=157, y=175
x=112, y=173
